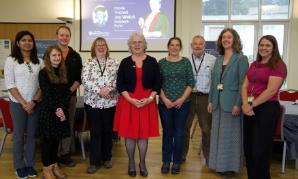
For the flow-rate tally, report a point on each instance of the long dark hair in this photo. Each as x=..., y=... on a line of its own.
x=236, y=46
x=275, y=58
x=16, y=51
x=61, y=78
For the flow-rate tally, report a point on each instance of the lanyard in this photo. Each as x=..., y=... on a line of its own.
x=104, y=68
x=194, y=64
x=254, y=79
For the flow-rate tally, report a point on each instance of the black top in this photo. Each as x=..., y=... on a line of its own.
x=53, y=96
x=126, y=79
x=73, y=64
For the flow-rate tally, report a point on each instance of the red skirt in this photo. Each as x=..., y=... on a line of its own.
x=133, y=122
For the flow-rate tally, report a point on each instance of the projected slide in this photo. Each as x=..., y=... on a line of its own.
x=115, y=20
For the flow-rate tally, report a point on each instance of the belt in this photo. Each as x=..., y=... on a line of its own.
x=199, y=93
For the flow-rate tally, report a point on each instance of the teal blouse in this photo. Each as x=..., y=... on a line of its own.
x=175, y=77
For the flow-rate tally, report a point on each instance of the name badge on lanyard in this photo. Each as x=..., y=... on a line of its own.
x=220, y=87
x=250, y=99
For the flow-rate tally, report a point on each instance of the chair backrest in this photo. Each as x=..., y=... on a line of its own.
x=288, y=95
x=6, y=117
x=279, y=127
x=81, y=123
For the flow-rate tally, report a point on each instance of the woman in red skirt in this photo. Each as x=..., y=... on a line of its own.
x=136, y=117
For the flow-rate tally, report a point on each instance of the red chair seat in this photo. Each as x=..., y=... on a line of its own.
x=4, y=106
x=288, y=95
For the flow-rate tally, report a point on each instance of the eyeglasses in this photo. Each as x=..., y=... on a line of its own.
x=98, y=45
x=29, y=67
x=137, y=42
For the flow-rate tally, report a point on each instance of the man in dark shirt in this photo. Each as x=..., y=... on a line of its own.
x=73, y=64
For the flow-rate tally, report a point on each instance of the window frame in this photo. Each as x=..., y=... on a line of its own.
x=258, y=24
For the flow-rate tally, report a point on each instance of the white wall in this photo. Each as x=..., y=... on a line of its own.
x=292, y=80
x=188, y=24
x=42, y=11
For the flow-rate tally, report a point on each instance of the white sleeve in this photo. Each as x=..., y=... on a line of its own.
x=9, y=76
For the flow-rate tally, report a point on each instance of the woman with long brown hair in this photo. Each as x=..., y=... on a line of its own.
x=261, y=107
x=225, y=155
x=53, y=119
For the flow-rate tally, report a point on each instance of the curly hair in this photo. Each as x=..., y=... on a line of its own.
x=236, y=46
x=16, y=51
x=60, y=78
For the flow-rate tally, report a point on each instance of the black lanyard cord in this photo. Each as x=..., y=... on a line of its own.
x=194, y=64
x=104, y=68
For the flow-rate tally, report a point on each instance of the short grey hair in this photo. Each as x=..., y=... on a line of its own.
x=136, y=34
x=198, y=37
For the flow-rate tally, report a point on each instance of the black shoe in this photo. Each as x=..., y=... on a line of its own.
x=66, y=160
x=132, y=169
x=143, y=172
x=31, y=172
x=132, y=173
x=228, y=174
x=175, y=169
x=165, y=168
x=21, y=173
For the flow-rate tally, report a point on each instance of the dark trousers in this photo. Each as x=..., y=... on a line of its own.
x=258, y=139
x=49, y=149
x=198, y=106
x=173, y=123
x=101, y=133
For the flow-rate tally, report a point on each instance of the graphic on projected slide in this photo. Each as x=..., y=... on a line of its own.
x=155, y=24
x=100, y=16
x=116, y=20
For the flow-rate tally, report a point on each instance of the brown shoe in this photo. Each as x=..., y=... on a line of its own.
x=107, y=164
x=48, y=173
x=58, y=172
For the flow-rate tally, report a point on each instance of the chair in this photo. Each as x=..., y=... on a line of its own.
x=288, y=95
x=81, y=124
x=279, y=136
x=6, y=121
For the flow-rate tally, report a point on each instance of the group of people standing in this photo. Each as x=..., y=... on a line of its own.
x=231, y=100
x=42, y=99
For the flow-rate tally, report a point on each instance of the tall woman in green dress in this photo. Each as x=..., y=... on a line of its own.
x=225, y=155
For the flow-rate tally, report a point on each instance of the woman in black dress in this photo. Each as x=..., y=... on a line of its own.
x=53, y=121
